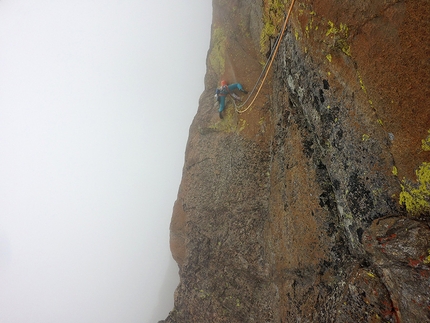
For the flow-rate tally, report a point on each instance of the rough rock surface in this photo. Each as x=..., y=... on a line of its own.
x=313, y=205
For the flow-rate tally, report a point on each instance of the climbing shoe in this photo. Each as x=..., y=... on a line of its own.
x=220, y=115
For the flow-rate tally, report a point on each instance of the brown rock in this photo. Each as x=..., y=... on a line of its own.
x=283, y=211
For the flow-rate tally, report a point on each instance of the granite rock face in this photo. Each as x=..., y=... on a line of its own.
x=313, y=205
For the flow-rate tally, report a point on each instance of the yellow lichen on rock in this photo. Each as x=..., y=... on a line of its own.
x=427, y=259
x=229, y=123
x=343, y=29
x=273, y=16
x=242, y=125
x=361, y=82
x=416, y=197
x=340, y=34
x=425, y=143
x=217, y=53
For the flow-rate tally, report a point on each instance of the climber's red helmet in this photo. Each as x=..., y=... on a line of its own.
x=223, y=82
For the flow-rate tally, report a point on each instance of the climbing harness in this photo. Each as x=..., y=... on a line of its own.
x=266, y=68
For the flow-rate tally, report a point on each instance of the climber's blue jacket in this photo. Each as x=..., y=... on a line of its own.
x=225, y=90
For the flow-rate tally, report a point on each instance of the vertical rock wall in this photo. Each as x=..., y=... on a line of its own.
x=313, y=205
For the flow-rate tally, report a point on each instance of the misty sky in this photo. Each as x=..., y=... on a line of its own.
x=96, y=98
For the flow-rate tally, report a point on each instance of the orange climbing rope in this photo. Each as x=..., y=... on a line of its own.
x=267, y=66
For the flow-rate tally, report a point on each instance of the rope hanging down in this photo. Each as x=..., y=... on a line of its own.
x=267, y=66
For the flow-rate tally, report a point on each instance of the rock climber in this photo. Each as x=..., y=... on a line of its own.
x=225, y=90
